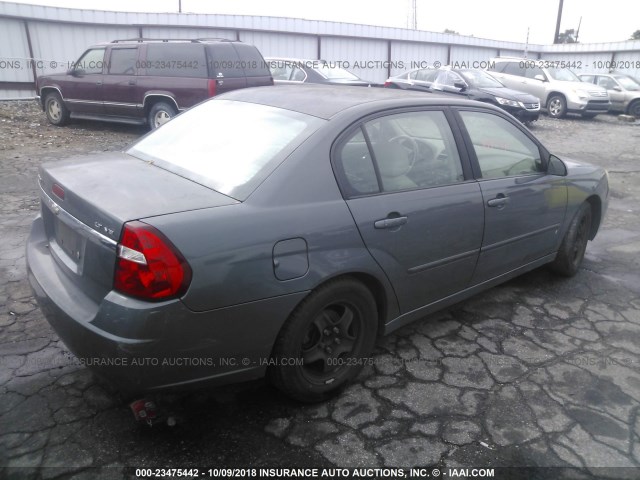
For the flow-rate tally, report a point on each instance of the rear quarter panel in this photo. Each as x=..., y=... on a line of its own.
x=230, y=249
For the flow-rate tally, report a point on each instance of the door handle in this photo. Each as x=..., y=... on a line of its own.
x=390, y=222
x=132, y=82
x=500, y=201
x=98, y=83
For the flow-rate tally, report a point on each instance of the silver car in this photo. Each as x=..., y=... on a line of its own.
x=560, y=90
x=280, y=231
x=623, y=90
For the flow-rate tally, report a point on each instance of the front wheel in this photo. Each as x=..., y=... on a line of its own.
x=54, y=108
x=557, y=106
x=574, y=243
x=159, y=114
x=325, y=342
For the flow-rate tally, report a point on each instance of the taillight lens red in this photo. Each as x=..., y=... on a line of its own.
x=212, y=88
x=149, y=266
x=387, y=84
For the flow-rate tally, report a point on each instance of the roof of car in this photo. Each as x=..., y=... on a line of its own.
x=326, y=101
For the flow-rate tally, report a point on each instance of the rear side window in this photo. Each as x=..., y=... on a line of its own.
x=225, y=145
x=176, y=60
x=123, y=61
x=587, y=78
x=514, y=68
x=224, y=61
x=357, y=166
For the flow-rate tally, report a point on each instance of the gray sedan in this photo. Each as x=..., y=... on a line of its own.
x=279, y=232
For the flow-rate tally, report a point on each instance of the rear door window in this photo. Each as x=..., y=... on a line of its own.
x=123, y=61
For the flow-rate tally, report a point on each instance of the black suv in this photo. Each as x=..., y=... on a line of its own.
x=149, y=81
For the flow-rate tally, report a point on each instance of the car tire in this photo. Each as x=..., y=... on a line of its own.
x=557, y=106
x=574, y=243
x=329, y=337
x=55, y=110
x=634, y=109
x=159, y=114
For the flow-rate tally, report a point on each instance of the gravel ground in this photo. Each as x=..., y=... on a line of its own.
x=540, y=371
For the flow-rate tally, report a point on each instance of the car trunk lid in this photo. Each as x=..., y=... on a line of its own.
x=86, y=202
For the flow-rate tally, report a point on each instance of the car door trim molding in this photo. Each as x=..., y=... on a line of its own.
x=443, y=261
x=502, y=243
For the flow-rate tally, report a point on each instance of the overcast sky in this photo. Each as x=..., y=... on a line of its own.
x=609, y=21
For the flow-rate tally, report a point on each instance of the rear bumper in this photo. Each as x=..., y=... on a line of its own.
x=141, y=346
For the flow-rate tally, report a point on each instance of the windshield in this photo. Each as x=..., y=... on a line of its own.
x=563, y=75
x=627, y=83
x=332, y=72
x=225, y=145
x=480, y=79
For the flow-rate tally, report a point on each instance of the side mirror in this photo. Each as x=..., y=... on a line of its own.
x=556, y=167
x=78, y=72
x=540, y=77
x=617, y=88
x=461, y=85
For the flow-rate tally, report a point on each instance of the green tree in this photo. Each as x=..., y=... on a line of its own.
x=635, y=35
x=453, y=32
x=568, y=36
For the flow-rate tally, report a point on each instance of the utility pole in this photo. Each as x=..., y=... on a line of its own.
x=555, y=39
x=179, y=6
x=413, y=16
x=578, y=31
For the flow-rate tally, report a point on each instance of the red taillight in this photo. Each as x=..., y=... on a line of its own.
x=58, y=191
x=149, y=266
x=211, y=85
x=387, y=84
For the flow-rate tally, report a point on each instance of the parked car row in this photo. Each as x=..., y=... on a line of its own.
x=471, y=84
x=623, y=90
x=148, y=81
x=142, y=81
x=296, y=71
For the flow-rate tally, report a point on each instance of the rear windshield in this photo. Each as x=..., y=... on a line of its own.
x=334, y=73
x=226, y=145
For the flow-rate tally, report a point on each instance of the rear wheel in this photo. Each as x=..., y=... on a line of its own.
x=54, y=108
x=634, y=108
x=325, y=342
x=557, y=106
x=574, y=243
x=160, y=113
